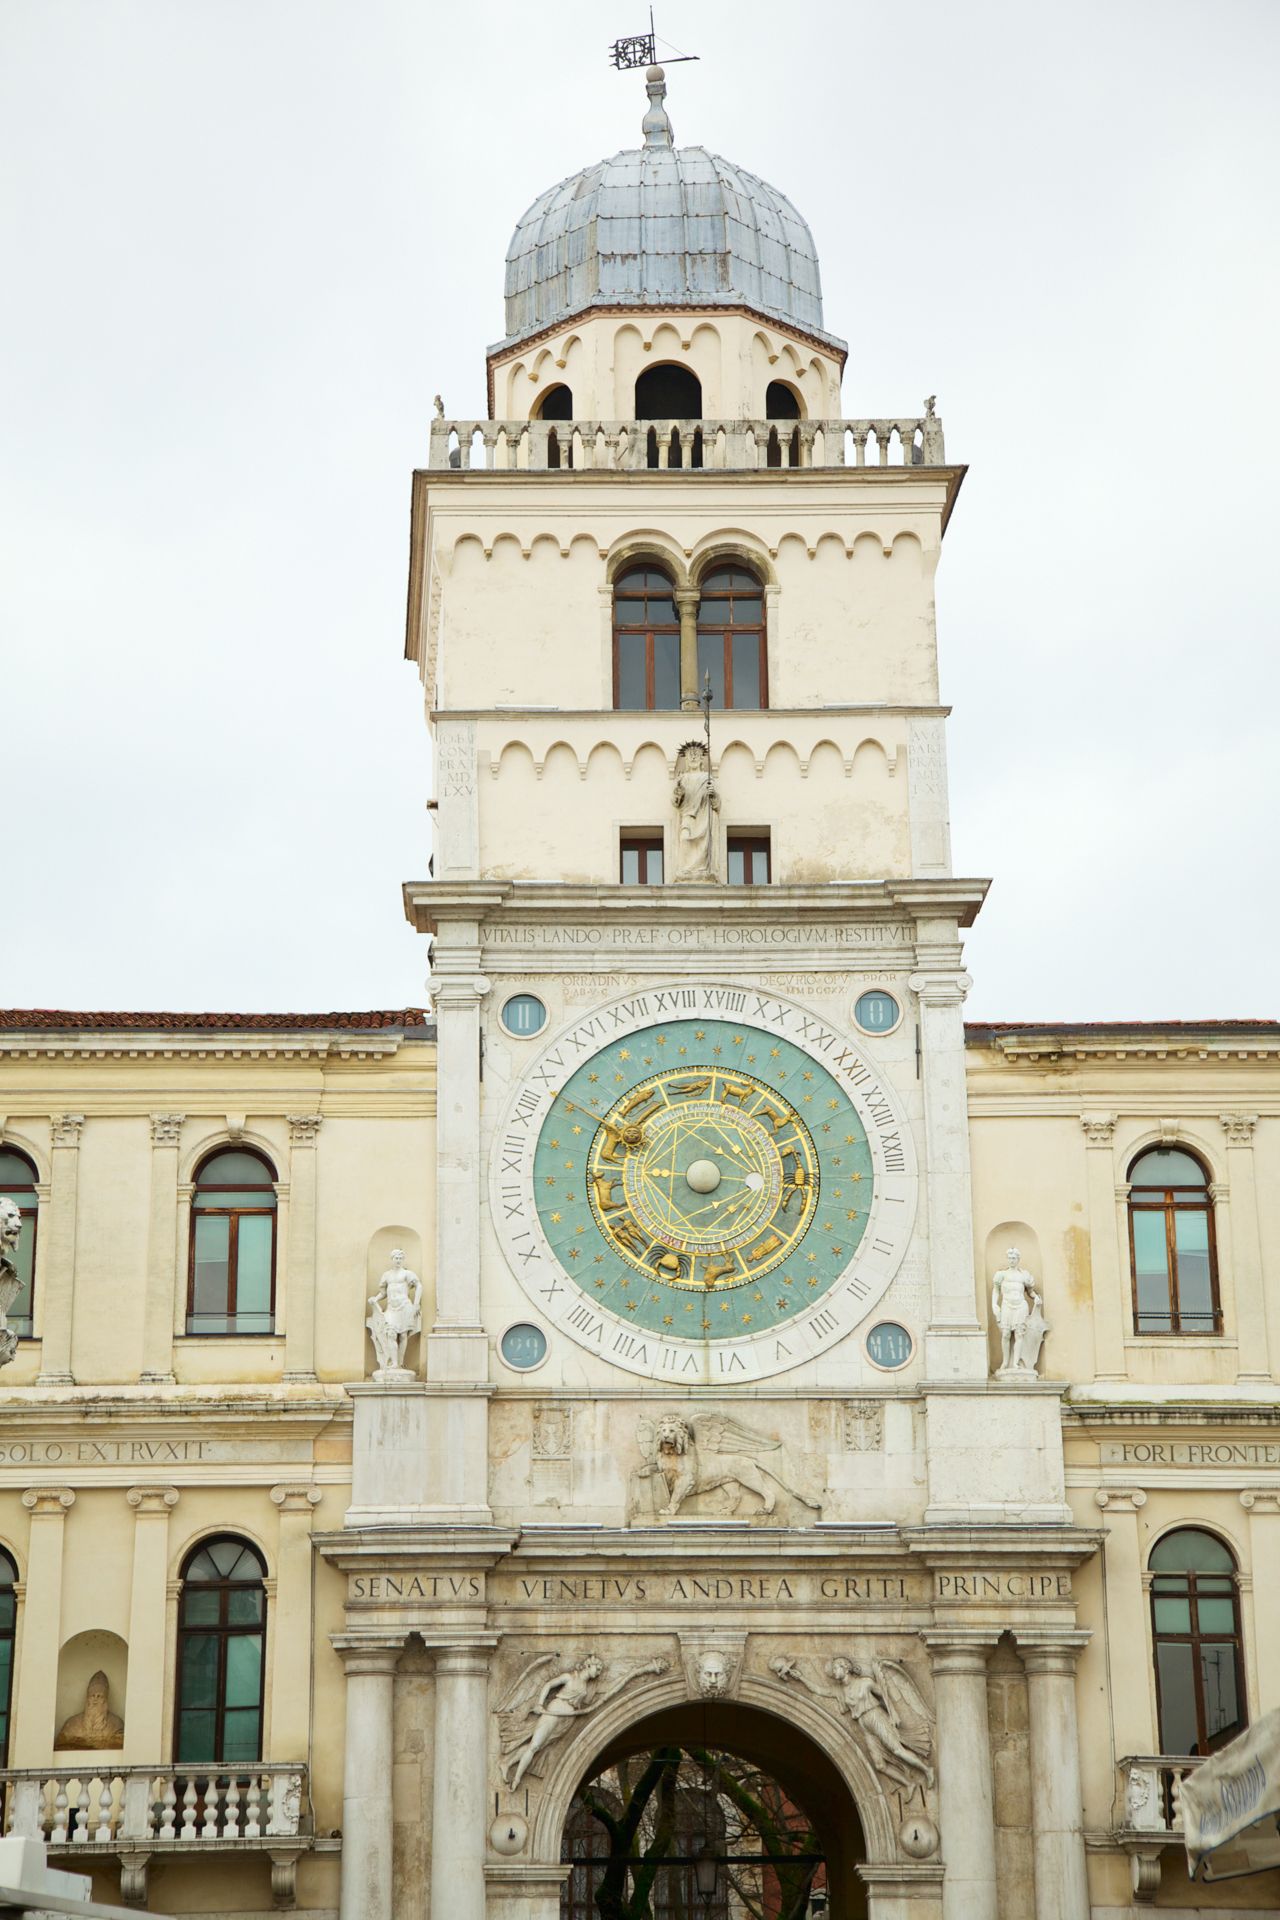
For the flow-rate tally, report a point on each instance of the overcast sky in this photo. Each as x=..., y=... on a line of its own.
x=245, y=241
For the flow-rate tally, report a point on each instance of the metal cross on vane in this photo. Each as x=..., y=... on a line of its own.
x=640, y=50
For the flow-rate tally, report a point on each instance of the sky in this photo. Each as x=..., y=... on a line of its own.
x=245, y=242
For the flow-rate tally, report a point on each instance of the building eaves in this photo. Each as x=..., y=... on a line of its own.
x=412, y=1022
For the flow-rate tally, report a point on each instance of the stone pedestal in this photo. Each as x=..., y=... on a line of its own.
x=995, y=1453
x=367, y=1827
x=964, y=1774
x=1057, y=1815
x=459, y=1797
x=420, y=1452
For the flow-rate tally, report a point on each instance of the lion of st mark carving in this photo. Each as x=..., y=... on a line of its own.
x=686, y=1456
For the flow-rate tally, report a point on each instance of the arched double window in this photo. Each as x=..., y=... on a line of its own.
x=1171, y=1239
x=1195, y=1613
x=222, y=1628
x=8, y=1628
x=649, y=668
x=18, y=1183
x=232, y=1270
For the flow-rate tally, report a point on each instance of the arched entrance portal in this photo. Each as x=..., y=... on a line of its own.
x=749, y=1791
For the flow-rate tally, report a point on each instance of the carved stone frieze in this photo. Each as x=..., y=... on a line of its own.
x=548, y=1696
x=893, y=1722
x=708, y=1463
x=166, y=1128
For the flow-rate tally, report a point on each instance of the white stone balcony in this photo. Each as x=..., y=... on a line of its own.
x=628, y=446
x=1150, y=1820
x=141, y=1813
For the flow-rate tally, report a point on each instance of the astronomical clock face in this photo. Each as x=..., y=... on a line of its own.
x=704, y=1183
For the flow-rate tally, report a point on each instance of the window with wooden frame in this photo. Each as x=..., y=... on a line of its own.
x=731, y=638
x=1171, y=1244
x=18, y=1183
x=1195, y=1618
x=8, y=1629
x=231, y=1282
x=222, y=1637
x=749, y=863
x=646, y=642
x=640, y=859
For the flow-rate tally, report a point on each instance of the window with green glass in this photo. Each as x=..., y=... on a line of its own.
x=731, y=641
x=8, y=1625
x=222, y=1621
x=18, y=1183
x=232, y=1271
x=1195, y=1615
x=1171, y=1240
x=646, y=641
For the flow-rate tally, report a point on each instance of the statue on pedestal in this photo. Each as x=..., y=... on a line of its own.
x=697, y=802
x=1016, y=1309
x=396, y=1314
x=10, y=1279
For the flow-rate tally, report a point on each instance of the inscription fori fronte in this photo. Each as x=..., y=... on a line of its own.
x=704, y=1182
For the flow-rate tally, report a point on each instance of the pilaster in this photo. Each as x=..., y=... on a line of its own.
x=1128, y=1661
x=1262, y=1504
x=1252, y=1331
x=57, y=1306
x=955, y=1345
x=290, y=1730
x=36, y=1681
x=300, y=1286
x=457, y=1347
x=144, y=1693
x=1110, y=1288
x=162, y=1251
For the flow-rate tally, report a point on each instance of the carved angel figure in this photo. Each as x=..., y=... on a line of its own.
x=536, y=1711
x=893, y=1722
x=697, y=802
x=709, y=1452
x=10, y=1279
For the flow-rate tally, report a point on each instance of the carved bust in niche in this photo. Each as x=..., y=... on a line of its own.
x=96, y=1728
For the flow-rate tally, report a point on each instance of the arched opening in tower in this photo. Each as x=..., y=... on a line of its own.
x=668, y=392
x=555, y=404
x=781, y=402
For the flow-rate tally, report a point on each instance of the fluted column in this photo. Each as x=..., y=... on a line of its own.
x=1057, y=1810
x=367, y=1828
x=148, y=1605
x=965, y=1800
x=59, y=1267
x=162, y=1250
x=459, y=1791
x=1251, y=1330
x=1127, y=1615
x=300, y=1285
x=37, y=1675
x=290, y=1730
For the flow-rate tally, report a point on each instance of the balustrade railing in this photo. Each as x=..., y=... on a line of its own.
x=1149, y=1784
x=628, y=446
x=146, y=1806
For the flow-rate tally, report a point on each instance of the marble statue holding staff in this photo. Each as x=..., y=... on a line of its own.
x=697, y=802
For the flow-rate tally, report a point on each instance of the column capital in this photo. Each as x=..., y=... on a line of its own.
x=1238, y=1128
x=152, y=1499
x=1120, y=1499
x=48, y=1500
x=303, y=1128
x=66, y=1129
x=687, y=596
x=1052, y=1650
x=1260, y=1499
x=463, y=989
x=948, y=989
x=296, y=1498
x=460, y=1659
x=361, y=1655
x=1099, y=1129
x=1219, y=1190
x=960, y=1649
x=166, y=1128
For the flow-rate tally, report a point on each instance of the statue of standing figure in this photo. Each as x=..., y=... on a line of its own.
x=697, y=803
x=396, y=1314
x=10, y=1278
x=1016, y=1309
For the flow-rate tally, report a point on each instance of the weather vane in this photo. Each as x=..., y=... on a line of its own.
x=640, y=50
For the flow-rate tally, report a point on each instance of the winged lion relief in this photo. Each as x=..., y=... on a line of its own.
x=686, y=1458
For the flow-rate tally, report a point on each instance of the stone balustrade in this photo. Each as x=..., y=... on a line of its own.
x=137, y=1812
x=620, y=446
x=1149, y=1785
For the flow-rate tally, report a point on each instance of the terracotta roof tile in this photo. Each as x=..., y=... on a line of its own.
x=59, y=1020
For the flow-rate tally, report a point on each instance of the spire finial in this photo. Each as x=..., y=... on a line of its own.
x=656, y=127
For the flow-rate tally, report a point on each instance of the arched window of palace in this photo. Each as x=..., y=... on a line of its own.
x=646, y=641
x=731, y=638
x=1175, y=1268
x=1195, y=1613
x=668, y=392
x=222, y=1622
x=8, y=1627
x=18, y=1183
x=555, y=404
x=232, y=1270
x=780, y=403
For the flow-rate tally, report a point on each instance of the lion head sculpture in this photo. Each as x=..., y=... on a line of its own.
x=672, y=1434
x=10, y=1226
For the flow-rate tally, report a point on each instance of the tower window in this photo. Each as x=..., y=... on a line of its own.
x=641, y=859
x=1171, y=1238
x=231, y=1285
x=731, y=641
x=646, y=641
x=18, y=1183
x=668, y=392
x=749, y=864
x=780, y=403
x=1195, y=1615
x=555, y=404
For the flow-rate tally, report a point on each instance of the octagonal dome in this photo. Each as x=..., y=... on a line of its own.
x=661, y=226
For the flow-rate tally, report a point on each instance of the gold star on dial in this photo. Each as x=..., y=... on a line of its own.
x=555, y=1219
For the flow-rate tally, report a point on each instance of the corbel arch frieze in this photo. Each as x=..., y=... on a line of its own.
x=574, y=1758
x=727, y=544
x=643, y=545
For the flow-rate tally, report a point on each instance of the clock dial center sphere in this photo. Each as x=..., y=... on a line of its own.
x=703, y=1176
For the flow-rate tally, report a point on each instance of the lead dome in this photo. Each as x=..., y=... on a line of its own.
x=661, y=226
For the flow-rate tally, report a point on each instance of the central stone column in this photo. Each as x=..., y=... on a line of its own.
x=459, y=1793
x=1057, y=1814
x=965, y=1809
x=367, y=1832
